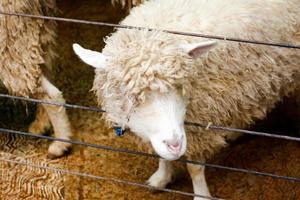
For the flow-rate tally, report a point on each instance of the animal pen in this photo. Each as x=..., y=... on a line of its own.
x=260, y=165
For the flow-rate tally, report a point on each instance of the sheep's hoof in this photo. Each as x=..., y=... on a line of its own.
x=38, y=128
x=153, y=190
x=159, y=181
x=58, y=149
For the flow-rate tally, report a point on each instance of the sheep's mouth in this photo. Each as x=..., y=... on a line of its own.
x=175, y=149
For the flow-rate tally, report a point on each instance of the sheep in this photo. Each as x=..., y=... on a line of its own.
x=27, y=52
x=151, y=82
x=28, y=47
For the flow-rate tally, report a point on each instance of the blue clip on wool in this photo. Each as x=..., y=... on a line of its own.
x=119, y=131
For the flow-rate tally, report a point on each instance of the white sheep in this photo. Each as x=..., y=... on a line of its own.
x=26, y=50
x=151, y=81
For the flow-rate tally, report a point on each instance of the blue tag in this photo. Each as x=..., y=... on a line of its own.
x=119, y=131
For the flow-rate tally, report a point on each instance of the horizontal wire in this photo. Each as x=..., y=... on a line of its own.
x=103, y=178
x=122, y=150
x=152, y=29
x=248, y=132
x=91, y=108
x=212, y=127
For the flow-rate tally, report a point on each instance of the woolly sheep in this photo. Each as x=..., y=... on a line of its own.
x=26, y=51
x=28, y=47
x=151, y=81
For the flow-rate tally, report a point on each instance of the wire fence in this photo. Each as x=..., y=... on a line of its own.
x=96, y=109
x=216, y=37
x=122, y=150
x=103, y=178
x=197, y=124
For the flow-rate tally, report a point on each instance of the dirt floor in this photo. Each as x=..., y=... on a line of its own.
x=75, y=79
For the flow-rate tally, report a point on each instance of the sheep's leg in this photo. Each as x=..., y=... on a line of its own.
x=58, y=118
x=198, y=178
x=163, y=175
x=41, y=123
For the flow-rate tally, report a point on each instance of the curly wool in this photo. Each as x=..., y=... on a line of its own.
x=233, y=85
x=26, y=45
x=140, y=70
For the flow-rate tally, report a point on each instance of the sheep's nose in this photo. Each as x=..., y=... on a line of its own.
x=174, y=146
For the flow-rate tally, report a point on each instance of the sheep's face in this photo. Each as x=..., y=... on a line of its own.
x=160, y=119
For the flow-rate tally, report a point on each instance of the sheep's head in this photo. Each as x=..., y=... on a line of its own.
x=150, y=104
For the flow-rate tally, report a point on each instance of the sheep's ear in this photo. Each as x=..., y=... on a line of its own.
x=197, y=49
x=93, y=58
